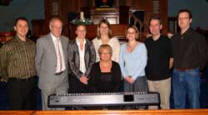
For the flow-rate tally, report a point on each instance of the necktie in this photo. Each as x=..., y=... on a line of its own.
x=59, y=57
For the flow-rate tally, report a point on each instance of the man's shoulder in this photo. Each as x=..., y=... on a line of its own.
x=165, y=38
x=72, y=42
x=65, y=38
x=43, y=38
x=31, y=41
x=197, y=35
x=10, y=43
x=148, y=39
x=175, y=36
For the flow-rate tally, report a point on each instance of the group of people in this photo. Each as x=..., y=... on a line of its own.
x=100, y=65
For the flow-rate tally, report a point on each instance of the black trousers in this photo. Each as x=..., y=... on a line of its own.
x=21, y=93
x=75, y=86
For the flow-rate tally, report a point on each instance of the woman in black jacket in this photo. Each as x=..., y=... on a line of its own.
x=81, y=58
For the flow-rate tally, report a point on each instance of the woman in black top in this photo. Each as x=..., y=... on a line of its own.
x=105, y=75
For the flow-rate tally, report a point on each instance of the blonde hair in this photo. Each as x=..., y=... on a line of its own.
x=105, y=46
x=104, y=21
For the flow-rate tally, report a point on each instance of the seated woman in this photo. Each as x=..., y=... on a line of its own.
x=105, y=74
x=133, y=60
x=104, y=36
x=81, y=58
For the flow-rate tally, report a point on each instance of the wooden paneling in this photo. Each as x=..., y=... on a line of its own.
x=110, y=14
x=39, y=27
x=147, y=7
x=118, y=30
x=75, y=6
x=111, y=112
x=63, y=8
x=6, y=36
x=164, y=14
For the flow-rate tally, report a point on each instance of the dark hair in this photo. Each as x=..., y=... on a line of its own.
x=21, y=18
x=155, y=17
x=104, y=21
x=185, y=10
x=81, y=25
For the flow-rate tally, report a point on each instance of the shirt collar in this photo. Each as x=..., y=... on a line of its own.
x=187, y=31
x=157, y=39
x=19, y=40
x=54, y=38
x=78, y=41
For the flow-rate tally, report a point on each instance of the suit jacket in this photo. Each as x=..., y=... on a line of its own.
x=46, y=62
x=74, y=59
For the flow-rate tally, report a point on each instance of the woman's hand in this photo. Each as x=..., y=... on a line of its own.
x=129, y=79
x=83, y=79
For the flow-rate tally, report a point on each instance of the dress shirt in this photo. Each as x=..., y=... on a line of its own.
x=18, y=59
x=189, y=50
x=54, y=39
x=82, y=67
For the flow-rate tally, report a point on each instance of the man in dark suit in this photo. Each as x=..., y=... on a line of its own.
x=51, y=62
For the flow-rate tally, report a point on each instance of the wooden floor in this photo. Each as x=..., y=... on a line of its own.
x=117, y=112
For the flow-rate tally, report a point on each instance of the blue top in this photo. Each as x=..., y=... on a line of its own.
x=133, y=63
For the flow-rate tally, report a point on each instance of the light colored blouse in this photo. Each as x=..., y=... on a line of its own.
x=82, y=66
x=114, y=43
x=133, y=63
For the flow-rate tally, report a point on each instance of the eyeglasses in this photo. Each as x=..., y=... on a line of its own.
x=131, y=32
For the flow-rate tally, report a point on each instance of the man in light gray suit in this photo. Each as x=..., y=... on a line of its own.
x=51, y=62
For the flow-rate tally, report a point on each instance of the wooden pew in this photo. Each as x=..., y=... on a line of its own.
x=112, y=112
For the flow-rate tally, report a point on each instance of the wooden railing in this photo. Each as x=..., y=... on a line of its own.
x=141, y=25
x=6, y=36
x=136, y=20
x=112, y=112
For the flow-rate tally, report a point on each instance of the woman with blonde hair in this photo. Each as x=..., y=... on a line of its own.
x=105, y=74
x=104, y=36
